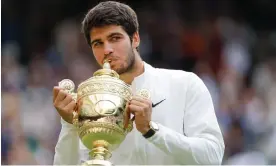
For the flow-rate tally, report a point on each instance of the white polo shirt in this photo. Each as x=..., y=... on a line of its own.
x=188, y=129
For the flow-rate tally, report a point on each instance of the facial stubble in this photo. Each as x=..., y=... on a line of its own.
x=129, y=61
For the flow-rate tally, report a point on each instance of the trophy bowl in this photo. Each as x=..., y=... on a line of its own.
x=101, y=104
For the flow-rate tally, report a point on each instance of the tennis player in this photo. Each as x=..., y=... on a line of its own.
x=177, y=126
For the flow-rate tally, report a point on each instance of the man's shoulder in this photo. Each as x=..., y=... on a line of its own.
x=178, y=78
x=175, y=74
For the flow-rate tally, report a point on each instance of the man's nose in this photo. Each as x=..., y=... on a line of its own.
x=108, y=49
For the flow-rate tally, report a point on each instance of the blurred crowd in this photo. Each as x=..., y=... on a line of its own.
x=235, y=62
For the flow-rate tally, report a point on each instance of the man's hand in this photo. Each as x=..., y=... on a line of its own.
x=141, y=108
x=64, y=104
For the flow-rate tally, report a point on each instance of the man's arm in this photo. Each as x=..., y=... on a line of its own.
x=201, y=141
x=67, y=150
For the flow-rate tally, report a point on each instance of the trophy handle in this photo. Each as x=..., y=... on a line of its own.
x=144, y=93
x=69, y=87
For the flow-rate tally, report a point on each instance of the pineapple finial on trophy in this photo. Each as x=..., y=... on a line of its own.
x=106, y=64
x=106, y=70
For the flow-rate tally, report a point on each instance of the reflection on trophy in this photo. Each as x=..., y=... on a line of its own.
x=101, y=102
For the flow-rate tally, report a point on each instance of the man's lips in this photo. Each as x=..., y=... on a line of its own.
x=112, y=61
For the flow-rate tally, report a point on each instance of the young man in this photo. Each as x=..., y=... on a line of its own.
x=178, y=126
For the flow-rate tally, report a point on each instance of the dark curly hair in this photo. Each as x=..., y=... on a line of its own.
x=110, y=13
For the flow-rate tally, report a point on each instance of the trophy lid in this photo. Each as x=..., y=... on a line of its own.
x=106, y=71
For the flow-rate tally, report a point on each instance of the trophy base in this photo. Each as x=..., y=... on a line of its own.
x=97, y=162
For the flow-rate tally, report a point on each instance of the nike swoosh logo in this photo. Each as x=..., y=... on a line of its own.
x=154, y=105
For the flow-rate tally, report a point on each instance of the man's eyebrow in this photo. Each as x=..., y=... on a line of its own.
x=113, y=34
x=110, y=35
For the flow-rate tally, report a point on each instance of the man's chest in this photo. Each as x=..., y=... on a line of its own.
x=168, y=102
x=169, y=112
x=168, y=105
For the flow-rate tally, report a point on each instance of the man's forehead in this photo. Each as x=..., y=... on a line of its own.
x=101, y=32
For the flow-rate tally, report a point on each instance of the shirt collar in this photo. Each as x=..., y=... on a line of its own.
x=141, y=78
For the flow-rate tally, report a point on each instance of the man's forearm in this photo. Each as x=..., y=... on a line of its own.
x=204, y=149
x=67, y=148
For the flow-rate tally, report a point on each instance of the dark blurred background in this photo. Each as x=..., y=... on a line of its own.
x=230, y=44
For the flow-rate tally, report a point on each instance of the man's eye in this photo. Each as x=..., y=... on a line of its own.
x=115, y=38
x=97, y=44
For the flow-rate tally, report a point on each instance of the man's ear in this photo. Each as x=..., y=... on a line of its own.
x=135, y=40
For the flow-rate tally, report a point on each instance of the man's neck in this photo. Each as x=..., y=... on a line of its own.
x=137, y=70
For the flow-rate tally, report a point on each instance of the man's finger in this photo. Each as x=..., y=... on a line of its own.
x=66, y=101
x=138, y=103
x=70, y=107
x=61, y=96
x=141, y=99
x=56, y=89
x=136, y=110
x=126, y=116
